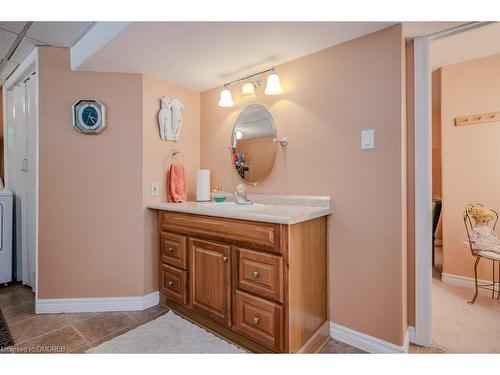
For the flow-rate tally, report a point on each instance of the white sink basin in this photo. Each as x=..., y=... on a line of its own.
x=230, y=206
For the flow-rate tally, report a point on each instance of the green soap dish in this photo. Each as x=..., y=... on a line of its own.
x=219, y=199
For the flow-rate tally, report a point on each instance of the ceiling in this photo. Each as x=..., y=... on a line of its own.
x=57, y=34
x=469, y=45
x=203, y=55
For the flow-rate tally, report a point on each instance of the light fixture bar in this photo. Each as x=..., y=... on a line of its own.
x=248, y=77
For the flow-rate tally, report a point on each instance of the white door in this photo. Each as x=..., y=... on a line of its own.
x=21, y=175
x=29, y=168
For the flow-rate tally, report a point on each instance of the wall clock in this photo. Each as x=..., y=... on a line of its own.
x=89, y=116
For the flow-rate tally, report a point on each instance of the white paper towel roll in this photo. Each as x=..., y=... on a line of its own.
x=203, y=185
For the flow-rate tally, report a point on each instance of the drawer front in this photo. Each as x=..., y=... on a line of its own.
x=259, y=319
x=260, y=273
x=173, y=284
x=173, y=250
x=266, y=236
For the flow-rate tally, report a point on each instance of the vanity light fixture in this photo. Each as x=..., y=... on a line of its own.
x=248, y=90
x=226, y=99
x=273, y=87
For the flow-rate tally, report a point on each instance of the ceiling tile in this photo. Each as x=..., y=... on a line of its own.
x=7, y=69
x=24, y=49
x=6, y=41
x=58, y=34
x=14, y=27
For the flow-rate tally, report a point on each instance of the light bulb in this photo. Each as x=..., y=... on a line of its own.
x=226, y=99
x=239, y=134
x=273, y=86
x=248, y=90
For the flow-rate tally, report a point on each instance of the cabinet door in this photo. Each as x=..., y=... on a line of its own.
x=210, y=279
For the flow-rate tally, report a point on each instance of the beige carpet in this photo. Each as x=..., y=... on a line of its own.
x=168, y=334
x=458, y=327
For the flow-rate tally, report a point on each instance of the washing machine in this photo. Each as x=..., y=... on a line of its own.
x=6, y=217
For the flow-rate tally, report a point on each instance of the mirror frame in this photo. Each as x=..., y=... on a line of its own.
x=275, y=147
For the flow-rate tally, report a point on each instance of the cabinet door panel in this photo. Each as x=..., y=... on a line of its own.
x=210, y=279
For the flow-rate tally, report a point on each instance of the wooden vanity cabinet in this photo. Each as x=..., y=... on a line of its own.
x=260, y=285
x=210, y=279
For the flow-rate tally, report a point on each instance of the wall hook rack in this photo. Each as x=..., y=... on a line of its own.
x=480, y=118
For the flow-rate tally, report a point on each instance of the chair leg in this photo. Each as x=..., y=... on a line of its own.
x=475, y=279
x=498, y=282
x=493, y=289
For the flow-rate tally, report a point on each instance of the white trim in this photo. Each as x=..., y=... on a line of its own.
x=464, y=281
x=423, y=193
x=28, y=66
x=95, y=39
x=366, y=342
x=411, y=334
x=101, y=304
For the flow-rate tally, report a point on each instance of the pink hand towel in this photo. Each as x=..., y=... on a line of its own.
x=176, y=180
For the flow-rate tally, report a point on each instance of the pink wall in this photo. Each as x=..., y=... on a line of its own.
x=436, y=133
x=156, y=159
x=410, y=178
x=470, y=154
x=96, y=238
x=330, y=96
x=90, y=197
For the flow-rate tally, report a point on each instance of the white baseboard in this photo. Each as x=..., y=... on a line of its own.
x=464, y=281
x=366, y=342
x=412, y=335
x=101, y=304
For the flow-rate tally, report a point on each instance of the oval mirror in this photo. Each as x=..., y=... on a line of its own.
x=253, y=149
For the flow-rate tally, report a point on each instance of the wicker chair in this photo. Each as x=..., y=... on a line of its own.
x=488, y=255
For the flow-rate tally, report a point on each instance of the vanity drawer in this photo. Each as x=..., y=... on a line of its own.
x=266, y=236
x=260, y=273
x=259, y=319
x=173, y=284
x=173, y=249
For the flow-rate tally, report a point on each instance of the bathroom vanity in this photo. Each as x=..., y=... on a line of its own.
x=256, y=275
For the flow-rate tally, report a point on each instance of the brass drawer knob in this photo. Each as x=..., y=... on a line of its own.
x=255, y=274
x=256, y=319
x=171, y=284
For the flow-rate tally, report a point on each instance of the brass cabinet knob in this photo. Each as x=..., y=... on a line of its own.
x=224, y=259
x=171, y=249
x=255, y=274
x=171, y=284
x=256, y=319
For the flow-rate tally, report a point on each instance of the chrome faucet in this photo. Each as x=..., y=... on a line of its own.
x=241, y=195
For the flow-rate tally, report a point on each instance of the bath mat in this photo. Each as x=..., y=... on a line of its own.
x=167, y=334
x=5, y=337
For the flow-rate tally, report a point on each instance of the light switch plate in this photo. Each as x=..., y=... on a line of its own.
x=154, y=188
x=368, y=139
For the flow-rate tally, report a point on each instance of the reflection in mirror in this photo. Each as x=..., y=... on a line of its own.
x=253, y=149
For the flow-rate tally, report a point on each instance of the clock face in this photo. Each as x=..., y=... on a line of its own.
x=88, y=116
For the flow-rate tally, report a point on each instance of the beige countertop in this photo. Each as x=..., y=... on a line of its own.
x=269, y=213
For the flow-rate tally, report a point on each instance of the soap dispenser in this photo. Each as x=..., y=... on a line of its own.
x=219, y=195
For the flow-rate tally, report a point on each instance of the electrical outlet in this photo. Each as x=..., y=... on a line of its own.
x=154, y=188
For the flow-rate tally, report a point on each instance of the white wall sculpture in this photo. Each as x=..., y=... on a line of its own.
x=170, y=118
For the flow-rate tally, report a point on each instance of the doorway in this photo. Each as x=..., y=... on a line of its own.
x=21, y=167
x=434, y=295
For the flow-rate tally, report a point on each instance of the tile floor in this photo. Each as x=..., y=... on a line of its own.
x=63, y=333
x=75, y=333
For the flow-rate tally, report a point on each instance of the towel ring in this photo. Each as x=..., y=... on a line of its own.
x=174, y=154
